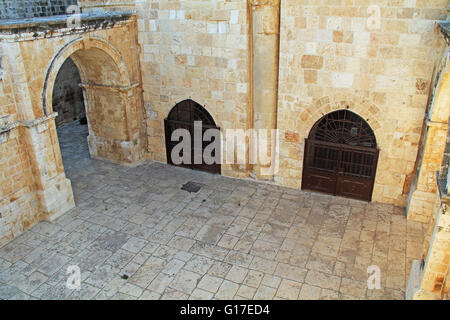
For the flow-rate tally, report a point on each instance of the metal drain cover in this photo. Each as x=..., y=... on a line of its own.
x=192, y=186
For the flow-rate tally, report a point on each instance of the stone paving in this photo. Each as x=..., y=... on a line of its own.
x=136, y=235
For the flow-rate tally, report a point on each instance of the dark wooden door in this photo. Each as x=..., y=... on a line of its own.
x=341, y=157
x=184, y=116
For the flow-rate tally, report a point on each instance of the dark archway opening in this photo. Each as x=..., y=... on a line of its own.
x=71, y=121
x=183, y=116
x=341, y=156
x=67, y=98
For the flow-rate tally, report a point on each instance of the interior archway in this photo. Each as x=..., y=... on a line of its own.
x=109, y=97
x=341, y=156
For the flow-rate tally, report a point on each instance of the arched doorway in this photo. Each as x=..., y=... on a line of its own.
x=183, y=116
x=113, y=103
x=341, y=156
x=67, y=99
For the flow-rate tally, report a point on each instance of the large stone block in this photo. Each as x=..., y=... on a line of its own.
x=312, y=62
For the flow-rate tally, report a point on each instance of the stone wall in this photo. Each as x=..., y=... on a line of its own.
x=434, y=277
x=13, y=9
x=68, y=98
x=433, y=145
x=335, y=56
x=19, y=206
x=7, y=103
x=222, y=54
x=197, y=50
x=332, y=56
x=444, y=172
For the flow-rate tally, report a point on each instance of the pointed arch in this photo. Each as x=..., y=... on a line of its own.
x=344, y=127
x=82, y=50
x=341, y=156
x=184, y=116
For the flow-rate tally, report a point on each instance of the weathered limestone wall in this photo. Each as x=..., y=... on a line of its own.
x=109, y=69
x=19, y=206
x=7, y=102
x=435, y=276
x=197, y=50
x=13, y=9
x=436, y=127
x=437, y=260
x=333, y=57
x=106, y=56
x=68, y=98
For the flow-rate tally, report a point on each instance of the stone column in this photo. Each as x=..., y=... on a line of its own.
x=114, y=135
x=265, y=33
x=53, y=189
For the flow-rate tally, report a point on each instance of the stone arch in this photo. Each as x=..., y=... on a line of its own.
x=324, y=105
x=334, y=134
x=208, y=116
x=294, y=142
x=110, y=99
x=70, y=49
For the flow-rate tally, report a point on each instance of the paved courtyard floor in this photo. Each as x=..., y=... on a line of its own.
x=136, y=235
